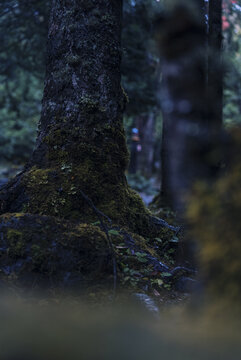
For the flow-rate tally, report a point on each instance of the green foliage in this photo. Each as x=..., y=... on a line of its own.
x=232, y=55
x=19, y=115
x=113, y=232
x=23, y=30
x=140, y=61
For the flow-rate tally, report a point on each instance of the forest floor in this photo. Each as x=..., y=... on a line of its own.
x=152, y=318
x=152, y=286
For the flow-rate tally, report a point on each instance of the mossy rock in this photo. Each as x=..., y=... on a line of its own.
x=44, y=252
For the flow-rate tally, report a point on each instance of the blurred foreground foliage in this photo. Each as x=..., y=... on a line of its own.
x=67, y=329
x=214, y=213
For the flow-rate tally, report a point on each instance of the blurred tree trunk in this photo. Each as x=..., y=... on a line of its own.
x=164, y=196
x=182, y=45
x=81, y=143
x=215, y=74
x=147, y=133
x=190, y=135
x=208, y=118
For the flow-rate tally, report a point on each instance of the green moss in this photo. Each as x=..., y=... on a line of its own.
x=108, y=19
x=56, y=192
x=73, y=59
x=125, y=94
x=16, y=243
x=88, y=102
x=93, y=163
x=48, y=249
x=14, y=235
x=38, y=255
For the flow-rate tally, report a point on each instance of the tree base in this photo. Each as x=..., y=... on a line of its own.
x=49, y=232
x=42, y=252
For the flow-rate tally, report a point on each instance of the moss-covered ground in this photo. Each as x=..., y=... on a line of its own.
x=45, y=252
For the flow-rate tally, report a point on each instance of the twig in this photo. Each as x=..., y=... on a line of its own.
x=157, y=221
x=98, y=212
x=182, y=269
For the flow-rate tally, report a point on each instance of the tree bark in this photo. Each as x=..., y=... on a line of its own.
x=81, y=144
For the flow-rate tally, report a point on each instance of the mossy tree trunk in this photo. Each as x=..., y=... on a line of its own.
x=81, y=142
x=49, y=235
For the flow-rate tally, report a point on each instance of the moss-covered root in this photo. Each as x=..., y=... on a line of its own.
x=62, y=189
x=42, y=251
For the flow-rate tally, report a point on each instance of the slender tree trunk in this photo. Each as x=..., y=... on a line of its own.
x=164, y=196
x=81, y=142
x=215, y=73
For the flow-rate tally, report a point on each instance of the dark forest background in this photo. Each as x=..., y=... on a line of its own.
x=23, y=28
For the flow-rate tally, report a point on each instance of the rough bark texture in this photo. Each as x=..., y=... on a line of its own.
x=81, y=142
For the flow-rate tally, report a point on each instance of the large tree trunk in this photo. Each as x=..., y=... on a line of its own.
x=81, y=142
x=77, y=169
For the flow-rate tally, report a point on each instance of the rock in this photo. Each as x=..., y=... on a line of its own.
x=3, y=181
